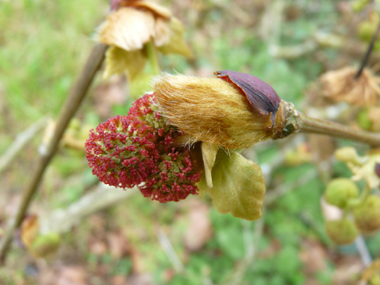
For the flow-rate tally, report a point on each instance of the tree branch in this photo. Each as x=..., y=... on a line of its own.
x=73, y=101
x=21, y=140
x=317, y=126
x=368, y=53
x=103, y=196
x=293, y=121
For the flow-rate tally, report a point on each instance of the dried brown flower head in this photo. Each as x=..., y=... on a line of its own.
x=341, y=86
x=133, y=25
x=130, y=27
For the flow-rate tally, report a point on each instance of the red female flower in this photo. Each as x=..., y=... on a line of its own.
x=138, y=150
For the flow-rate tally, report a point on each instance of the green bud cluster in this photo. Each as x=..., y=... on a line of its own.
x=344, y=194
x=339, y=191
x=367, y=215
x=341, y=231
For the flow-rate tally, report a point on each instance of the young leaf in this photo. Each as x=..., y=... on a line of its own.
x=238, y=186
x=176, y=43
x=209, y=152
x=119, y=60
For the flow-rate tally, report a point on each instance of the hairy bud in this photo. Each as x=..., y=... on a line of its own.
x=213, y=110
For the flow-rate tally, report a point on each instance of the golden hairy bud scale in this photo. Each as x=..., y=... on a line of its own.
x=211, y=110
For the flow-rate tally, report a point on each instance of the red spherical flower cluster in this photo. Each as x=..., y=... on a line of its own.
x=138, y=150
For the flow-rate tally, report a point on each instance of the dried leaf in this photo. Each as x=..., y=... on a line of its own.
x=155, y=8
x=313, y=256
x=239, y=186
x=341, y=85
x=29, y=230
x=176, y=43
x=118, y=245
x=72, y=275
x=98, y=247
x=209, y=152
x=119, y=280
x=161, y=32
x=119, y=60
x=200, y=229
x=127, y=28
x=346, y=269
x=372, y=272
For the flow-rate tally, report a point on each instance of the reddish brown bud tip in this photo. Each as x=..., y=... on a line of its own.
x=261, y=96
x=377, y=169
x=114, y=4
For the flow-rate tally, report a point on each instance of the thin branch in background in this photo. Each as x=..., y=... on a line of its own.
x=283, y=189
x=307, y=219
x=73, y=101
x=169, y=251
x=62, y=220
x=363, y=250
x=317, y=126
x=238, y=274
x=21, y=141
x=368, y=53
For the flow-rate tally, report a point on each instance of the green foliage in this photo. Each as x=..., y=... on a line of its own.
x=39, y=46
x=229, y=234
x=69, y=194
x=201, y=266
x=373, y=244
x=282, y=268
x=341, y=169
x=325, y=276
x=123, y=267
x=279, y=74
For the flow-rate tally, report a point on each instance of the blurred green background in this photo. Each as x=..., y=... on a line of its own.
x=43, y=45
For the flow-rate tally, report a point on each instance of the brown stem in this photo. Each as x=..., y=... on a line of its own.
x=73, y=101
x=368, y=53
x=316, y=126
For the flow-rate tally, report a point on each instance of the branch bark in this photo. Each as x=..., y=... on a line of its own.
x=73, y=101
x=368, y=53
x=21, y=140
x=293, y=121
x=316, y=126
x=62, y=220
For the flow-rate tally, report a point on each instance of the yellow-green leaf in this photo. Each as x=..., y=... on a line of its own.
x=209, y=152
x=45, y=245
x=238, y=186
x=140, y=85
x=176, y=42
x=119, y=60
